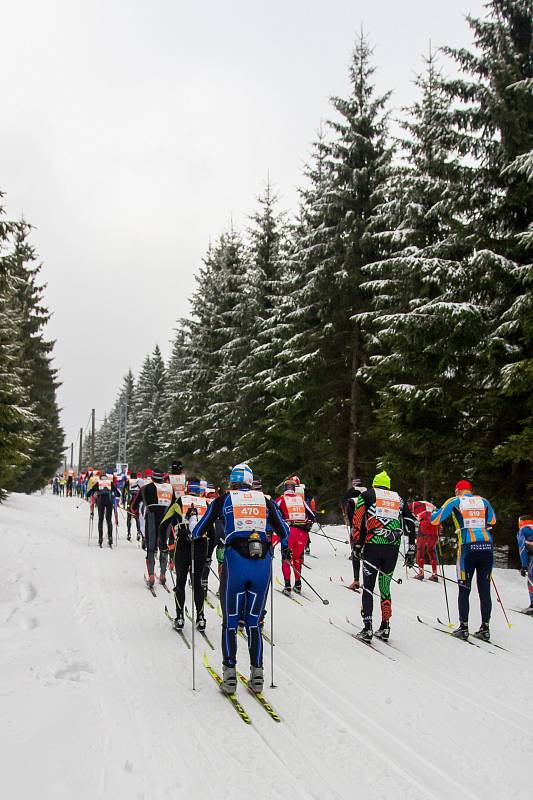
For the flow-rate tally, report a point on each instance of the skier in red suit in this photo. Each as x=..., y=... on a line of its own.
x=427, y=538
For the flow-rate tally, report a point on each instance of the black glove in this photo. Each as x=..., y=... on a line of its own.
x=357, y=551
x=183, y=527
x=523, y=572
x=410, y=557
x=92, y=514
x=286, y=553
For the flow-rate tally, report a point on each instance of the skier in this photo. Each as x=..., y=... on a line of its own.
x=133, y=485
x=525, y=547
x=178, y=523
x=104, y=491
x=427, y=537
x=348, y=503
x=157, y=496
x=472, y=515
x=298, y=515
x=177, y=478
x=379, y=519
x=246, y=570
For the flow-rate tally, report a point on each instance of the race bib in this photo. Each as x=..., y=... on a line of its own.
x=473, y=511
x=295, y=507
x=178, y=483
x=300, y=490
x=104, y=483
x=199, y=503
x=387, y=504
x=249, y=511
x=164, y=494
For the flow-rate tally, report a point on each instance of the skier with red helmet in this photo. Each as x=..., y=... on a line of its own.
x=473, y=516
x=298, y=515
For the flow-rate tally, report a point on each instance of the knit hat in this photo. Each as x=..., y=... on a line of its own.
x=382, y=479
x=463, y=486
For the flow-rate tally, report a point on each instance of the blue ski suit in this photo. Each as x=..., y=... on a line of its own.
x=525, y=547
x=245, y=578
x=472, y=517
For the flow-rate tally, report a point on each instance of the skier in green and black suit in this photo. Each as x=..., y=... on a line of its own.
x=378, y=524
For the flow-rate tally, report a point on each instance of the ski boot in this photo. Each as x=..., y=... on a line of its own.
x=528, y=611
x=287, y=589
x=354, y=586
x=110, y=543
x=128, y=537
x=151, y=580
x=229, y=680
x=138, y=537
x=483, y=633
x=434, y=578
x=200, y=621
x=383, y=632
x=179, y=622
x=255, y=684
x=461, y=632
x=100, y=543
x=298, y=587
x=162, y=578
x=365, y=635
x=308, y=550
x=419, y=576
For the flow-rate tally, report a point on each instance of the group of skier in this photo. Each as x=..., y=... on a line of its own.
x=185, y=520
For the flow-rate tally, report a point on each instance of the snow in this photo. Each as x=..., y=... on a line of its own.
x=96, y=692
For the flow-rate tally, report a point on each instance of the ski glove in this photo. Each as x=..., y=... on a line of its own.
x=523, y=572
x=410, y=557
x=286, y=553
x=357, y=551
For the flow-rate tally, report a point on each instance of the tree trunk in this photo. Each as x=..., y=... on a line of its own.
x=355, y=394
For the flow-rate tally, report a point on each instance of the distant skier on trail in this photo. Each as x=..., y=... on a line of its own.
x=348, y=503
x=525, y=548
x=472, y=516
x=180, y=521
x=378, y=525
x=156, y=495
x=246, y=570
x=298, y=516
x=426, y=539
x=104, y=490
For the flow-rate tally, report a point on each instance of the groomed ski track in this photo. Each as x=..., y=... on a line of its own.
x=96, y=698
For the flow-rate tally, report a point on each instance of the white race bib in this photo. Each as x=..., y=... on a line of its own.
x=295, y=507
x=249, y=511
x=473, y=511
x=387, y=504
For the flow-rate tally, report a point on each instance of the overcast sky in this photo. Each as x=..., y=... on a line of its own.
x=132, y=132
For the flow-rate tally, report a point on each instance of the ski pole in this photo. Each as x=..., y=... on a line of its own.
x=327, y=537
x=378, y=570
x=272, y=684
x=445, y=589
x=91, y=520
x=214, y=573
x=509, y=624
x=330, y=538
x=326, y=602
x=193, y=617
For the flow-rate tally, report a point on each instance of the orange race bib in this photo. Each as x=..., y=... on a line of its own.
x=295, y=507
x=473, y=511
x=164, y=494
x=249, y=511
x=104, y=483
x=387, y=504
x=199, y=503
x=178, y=483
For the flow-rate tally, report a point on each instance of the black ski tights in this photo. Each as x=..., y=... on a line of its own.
x=182, y=561
x=105, y=507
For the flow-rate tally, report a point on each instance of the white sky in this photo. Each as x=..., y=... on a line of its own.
x=133, y=131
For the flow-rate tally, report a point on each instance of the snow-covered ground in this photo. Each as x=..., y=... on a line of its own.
x=96, y=698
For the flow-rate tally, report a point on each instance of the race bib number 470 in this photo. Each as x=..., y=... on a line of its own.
x=249, y=511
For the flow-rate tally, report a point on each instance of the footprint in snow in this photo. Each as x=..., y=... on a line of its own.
x=28, y=623
x=27, y=591
x=74, y=671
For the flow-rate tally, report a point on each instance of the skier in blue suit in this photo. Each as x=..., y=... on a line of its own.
x=525, y=547
x=248, y=518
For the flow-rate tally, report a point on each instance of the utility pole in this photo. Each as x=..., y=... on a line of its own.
x=81, y=450
x=119, y=431
x=93, y=436
x=126, y=432
x=72, y=455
